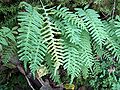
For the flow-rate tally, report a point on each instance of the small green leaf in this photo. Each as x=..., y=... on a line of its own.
x=3, y=41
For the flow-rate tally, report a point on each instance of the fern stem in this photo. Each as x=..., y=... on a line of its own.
x=29, y=82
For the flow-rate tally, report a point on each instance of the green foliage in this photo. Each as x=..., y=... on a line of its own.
x=7, y=40
x=51, y=69
x=72, y=55
x=105, y=75
x=54, y=45
x=12, y=80
x=93, y=24
x=8, y=14
x=32, y=49
x=112, y=42
x=6, y=36
x=116, y=86
x=75, y=40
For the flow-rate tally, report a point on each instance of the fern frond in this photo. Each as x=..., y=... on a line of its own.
x=111, y=43
x=6, y=36
x=112, y=46
x=37, y=56
x=49, y=33
x=71, y=61
x=8, y=52
x=66, y=15
x=51, y=68
x=32, y=50
x=86, y=55
x=93, y=24
x=87, y=49
x=72, y=33
x=69, y=17
x=110, y=28
x=69, y=31
x=75, y=23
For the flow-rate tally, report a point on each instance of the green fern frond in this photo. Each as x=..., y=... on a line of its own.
x=87, y=49
x=98, y=52
x=32, y=50
x=110, y=28
x=68, y=24
x=86, y=55
x=8, y=42
x=58, y=24
x=51, y=68
x=112, y=46
x=37, y=56
x=69, y=17
x=111, y=43
x=72, y=33
x=71, y=61
x=8, y=52
x=66, y=15
x=54, y=45
x=93, y=24
x=6, y=36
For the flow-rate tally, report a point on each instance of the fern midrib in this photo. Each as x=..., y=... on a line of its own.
x=37, y=50
x=28, y=33
x=52, y=49
x=52, y=40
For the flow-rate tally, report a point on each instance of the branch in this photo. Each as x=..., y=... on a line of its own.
x=23, y=72
x=113, y=10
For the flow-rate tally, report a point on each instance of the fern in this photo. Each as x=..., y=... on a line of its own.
x=86, y=54
x=67, y=15
x=8, y=52
x=71, y=24
x=51, y=39
x=81, y=56
x=114, y=47
x=32, y=50
x=111, y=43
x=59, y=37
x=8, y=44
x=51, y=69
x=71, y=54
x=6, y=36
x=54, y=45
x=93, y=24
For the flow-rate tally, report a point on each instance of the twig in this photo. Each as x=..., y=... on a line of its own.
x=113, y=10
x=41, y=3
x=105, y=16
x=29, y=83
x=41, y=81
x=23, y=72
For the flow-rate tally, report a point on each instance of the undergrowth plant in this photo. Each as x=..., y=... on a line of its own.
x=54, y=38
